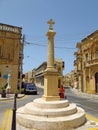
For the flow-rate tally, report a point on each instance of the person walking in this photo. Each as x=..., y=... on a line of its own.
x=61, y=91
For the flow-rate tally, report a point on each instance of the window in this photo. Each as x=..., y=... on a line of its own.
x=86, y=57
x=0, y=74
x=96, y=54
x=0, y=50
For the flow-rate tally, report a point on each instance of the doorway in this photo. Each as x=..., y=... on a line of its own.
x=59, y=83
x=96, y=82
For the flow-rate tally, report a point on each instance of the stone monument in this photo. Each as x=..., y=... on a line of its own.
x=51, y=74
x=49, y=112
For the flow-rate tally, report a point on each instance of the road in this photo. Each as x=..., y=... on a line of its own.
x=88, y=104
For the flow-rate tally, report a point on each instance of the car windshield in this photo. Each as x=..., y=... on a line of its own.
x=30, y=86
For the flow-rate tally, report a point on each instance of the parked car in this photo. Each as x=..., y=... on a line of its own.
x=30, y=88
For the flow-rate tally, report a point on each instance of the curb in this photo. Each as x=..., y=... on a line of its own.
x=11, y=97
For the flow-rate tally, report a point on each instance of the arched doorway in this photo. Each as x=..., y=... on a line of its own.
x=96, y=82
x=87, y=83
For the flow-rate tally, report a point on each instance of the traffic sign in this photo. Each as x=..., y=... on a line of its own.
x=5, y=76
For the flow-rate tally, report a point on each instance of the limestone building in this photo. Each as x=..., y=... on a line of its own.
x=29, y=77
x=11, y=55
x=38, y=73
x=86, y=64
x=59, y=65
x=68, y=79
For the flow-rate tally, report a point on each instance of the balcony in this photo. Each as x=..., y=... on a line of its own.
x=91, y=63
x=3, y=60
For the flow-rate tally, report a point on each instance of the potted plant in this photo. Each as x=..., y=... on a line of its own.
x=3, y=94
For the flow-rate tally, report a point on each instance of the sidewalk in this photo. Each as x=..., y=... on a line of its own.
x=10, y=97
x=76, y=91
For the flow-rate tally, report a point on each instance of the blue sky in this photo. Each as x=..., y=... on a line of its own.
x=74, y=20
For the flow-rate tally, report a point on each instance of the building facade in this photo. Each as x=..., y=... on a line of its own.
x=38, y=73
x=86, y=64
x=59, y=65
x=28, y=77
x=11, y=55
x=69, y=79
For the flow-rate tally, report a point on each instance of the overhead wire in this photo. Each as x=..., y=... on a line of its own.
x=59, y=47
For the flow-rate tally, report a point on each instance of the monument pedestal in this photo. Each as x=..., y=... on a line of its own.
x=50, y=115
x=51, y=85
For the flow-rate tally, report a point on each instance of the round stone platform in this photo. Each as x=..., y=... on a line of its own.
x=50, y=115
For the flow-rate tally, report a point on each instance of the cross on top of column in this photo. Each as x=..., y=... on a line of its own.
x=51, y=22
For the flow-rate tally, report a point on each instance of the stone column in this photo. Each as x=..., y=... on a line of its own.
x=51, y=74
x=50, y=34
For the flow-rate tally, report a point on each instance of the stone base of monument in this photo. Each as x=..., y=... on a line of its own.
x=50, y=115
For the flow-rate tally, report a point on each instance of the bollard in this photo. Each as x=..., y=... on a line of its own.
x=14, y=114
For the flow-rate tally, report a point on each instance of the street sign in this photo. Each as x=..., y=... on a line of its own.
x=5, y=76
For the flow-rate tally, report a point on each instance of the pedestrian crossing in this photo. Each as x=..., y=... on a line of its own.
x=6, y=123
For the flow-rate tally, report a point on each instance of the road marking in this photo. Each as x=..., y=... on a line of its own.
x=92, y=118
x=92, y=129
x=6, y=123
